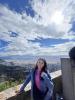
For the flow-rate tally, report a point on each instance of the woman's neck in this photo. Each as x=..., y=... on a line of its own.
x=39, y=70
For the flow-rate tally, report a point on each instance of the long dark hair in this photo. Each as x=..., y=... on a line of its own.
x=44, y=69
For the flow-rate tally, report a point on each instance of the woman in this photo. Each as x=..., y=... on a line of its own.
x=41, y=83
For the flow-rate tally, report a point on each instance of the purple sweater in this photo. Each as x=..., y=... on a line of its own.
x=37, y=79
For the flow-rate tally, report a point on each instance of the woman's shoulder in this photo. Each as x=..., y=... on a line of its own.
x=32, y=70
x=44, y=74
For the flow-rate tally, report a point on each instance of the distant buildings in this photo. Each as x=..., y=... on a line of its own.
x=19, y=71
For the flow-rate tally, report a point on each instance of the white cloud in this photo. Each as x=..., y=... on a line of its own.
x=37, y=50
x=55, y=16
x=59, y=49
x=32, y=28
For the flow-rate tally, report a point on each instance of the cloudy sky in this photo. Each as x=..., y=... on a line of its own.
x=36, y=28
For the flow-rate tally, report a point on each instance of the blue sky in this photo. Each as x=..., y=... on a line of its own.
x=19, y=6
x=3, y=43
x=23, y=33
x=50, y=41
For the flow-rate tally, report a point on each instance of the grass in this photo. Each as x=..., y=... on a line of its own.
x=8, y=84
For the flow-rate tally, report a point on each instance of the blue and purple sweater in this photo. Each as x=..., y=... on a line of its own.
x=44, y=84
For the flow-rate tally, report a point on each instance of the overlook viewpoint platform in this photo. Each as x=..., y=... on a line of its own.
x=64, y=83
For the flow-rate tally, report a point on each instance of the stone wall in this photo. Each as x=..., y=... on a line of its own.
x=68, y=78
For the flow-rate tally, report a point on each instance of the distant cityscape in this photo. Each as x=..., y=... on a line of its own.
x=14, y=71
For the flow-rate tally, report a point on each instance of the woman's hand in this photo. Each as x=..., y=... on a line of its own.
x=18, y=92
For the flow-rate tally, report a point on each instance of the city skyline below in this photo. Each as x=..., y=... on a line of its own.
x=33, y=59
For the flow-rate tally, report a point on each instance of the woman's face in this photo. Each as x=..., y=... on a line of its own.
x=40, y=64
